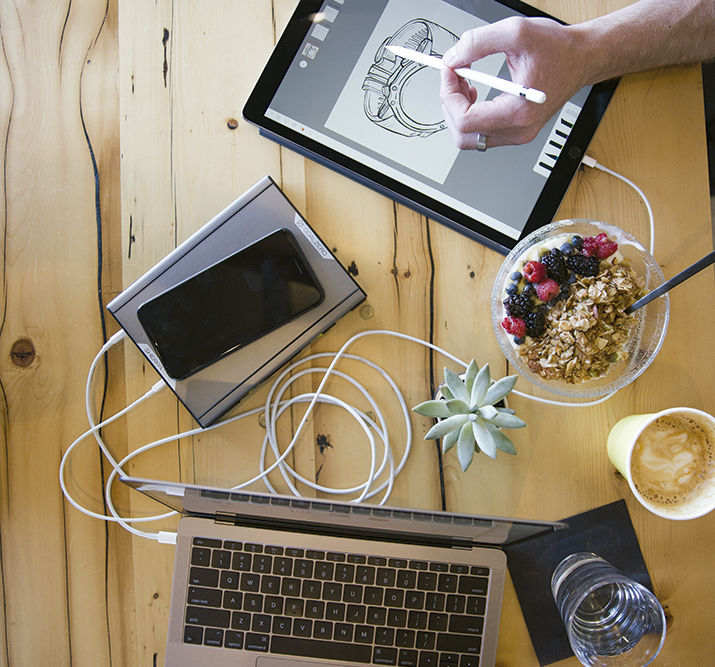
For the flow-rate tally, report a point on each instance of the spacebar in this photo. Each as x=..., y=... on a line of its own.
x=311, y=648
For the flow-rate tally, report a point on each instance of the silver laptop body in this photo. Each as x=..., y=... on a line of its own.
x=276, y=581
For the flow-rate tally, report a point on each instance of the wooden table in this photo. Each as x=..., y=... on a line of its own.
x=121, y=135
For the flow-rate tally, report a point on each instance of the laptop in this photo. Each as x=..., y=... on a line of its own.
x=278, y=581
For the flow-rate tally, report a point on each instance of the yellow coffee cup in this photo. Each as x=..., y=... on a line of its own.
x=668, y=458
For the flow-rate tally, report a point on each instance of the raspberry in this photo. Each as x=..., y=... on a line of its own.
x=534, y=271
x=606, y=248
x=589, y=246
x=515, y=326
x=547, y=289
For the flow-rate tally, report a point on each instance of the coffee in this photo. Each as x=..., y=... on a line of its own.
x=672, y=461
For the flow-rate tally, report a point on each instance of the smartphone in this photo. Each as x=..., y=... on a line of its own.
x=230, y=304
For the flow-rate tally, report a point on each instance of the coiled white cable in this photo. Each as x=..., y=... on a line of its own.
x=275, y=406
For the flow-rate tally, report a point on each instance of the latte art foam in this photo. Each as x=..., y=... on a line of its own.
x=672, y=462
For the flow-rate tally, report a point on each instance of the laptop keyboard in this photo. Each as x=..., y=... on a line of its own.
x=335, y=606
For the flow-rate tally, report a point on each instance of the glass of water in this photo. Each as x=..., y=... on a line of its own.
x=609, y=618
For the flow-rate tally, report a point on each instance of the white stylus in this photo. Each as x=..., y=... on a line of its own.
x=473, y=75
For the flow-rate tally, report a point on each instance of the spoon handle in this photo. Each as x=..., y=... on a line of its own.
x=675, y=280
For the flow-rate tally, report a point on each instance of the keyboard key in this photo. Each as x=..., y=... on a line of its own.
x=456, y=604
x=201, y=557
x=376, y=615
x=384, y=636
x=253, y=602
x=283, y=567
x=480, y=571
x=332, y=591
x=438, y=622
x=294, y=553
x=335, y=557
x=262, y=564
x=415, y=600
x=473, y=585
x=364, y=634
x=274, y=551
x=213, y=637
x=315, y=609
x=459, y=569
x=397, y=618
x=405, y=638
x=199, y=576
x=229, y=580
x=383, y=655
x=241, y=620
x=221, y=559
x=394, y=597
x=256, y=642
x=208, y=616
x=447, y=583
x=241, y=562
x=343, y=632
x=377, y=561
x=439, y=567
x=372, y=595
x=232, y=600
x=352, y=593
x=206, y=542
x=476, y=605
x=345, y=572
x=324, y=571
x=429, y=659
x=467, y=660
x=311, y=590
x=385, y=577
x=272, y=604
x=303, y=568
x=365, y=574
x=250, y=582
x=418, y=565
x=356, y=613
x=335, y=611
x=435, y=601
x=459, y=643
x=193, y=635
x=407, y=658
x=425, y=640
x=417, y=620
x=466, y=625
x=356, y=558
x=322, y=630
x=427, y=581
x=302, y=628
x=406, y=579
x=253, y=548
x=270, y=585
x=204, y=597
x=322, y=650
x=232, y=546
x=282, y=625
x=233, y=639
x=290, y=587
x=398, y=563
x=315, y=555
x=261, y=623
x=448, y=660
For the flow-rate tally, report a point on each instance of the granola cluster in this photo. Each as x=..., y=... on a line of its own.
x=588, y=331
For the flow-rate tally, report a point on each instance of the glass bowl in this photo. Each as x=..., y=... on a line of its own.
x=646, y=336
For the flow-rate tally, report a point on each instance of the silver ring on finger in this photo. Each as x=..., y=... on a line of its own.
x=481, y=142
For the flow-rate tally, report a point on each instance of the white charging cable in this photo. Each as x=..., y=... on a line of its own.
x=374, y=429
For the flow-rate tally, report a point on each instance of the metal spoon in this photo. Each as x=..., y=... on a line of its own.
x=675, y=280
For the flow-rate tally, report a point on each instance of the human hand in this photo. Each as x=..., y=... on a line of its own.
x=540, y=53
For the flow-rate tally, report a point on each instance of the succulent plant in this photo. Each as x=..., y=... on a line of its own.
x=467, y=417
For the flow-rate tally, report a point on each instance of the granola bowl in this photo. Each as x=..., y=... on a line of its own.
x=578, y=341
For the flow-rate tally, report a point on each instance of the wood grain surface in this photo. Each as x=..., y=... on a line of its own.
x=122, y=135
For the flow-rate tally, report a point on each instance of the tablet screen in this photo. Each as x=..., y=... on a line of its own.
x=333, y=91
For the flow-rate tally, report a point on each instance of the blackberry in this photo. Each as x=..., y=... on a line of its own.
x=584, y=266
x=518, y=305
x=535, y=324
x=555, y=266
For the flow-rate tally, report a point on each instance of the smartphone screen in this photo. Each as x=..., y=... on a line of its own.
x=230, y=304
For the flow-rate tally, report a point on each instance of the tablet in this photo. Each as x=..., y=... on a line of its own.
x=332, y=91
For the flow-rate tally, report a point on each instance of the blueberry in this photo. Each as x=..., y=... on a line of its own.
x=519, y=341
x=529, y=288
x=571, y=279
x=577, y=241
x=516, y=276
x=567, y=249
x=512, y=288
